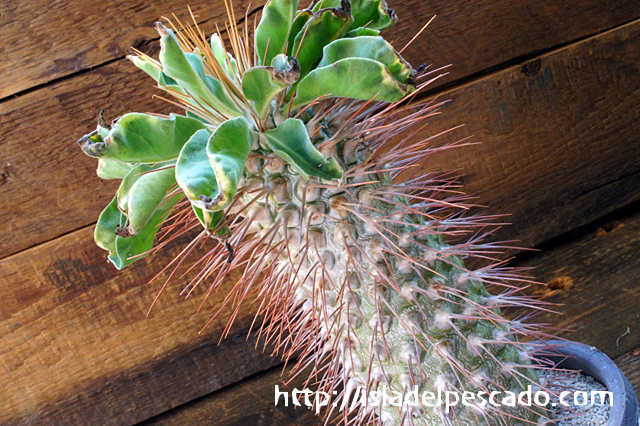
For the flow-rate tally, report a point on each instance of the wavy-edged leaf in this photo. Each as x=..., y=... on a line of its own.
x=375, y=48
x=383, y=18
x=145, y=196
x=356, y=78
x=291, y=142
x=194, y=173
x=105, y=232
x=262, y=84
x=273, y=30
x=126, y=248
x=143, y=138
x=113, y=169
x=325, y=26
x=188, y=70
x=228, y=149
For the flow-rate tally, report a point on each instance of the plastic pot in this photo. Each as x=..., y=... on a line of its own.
x=590, y=361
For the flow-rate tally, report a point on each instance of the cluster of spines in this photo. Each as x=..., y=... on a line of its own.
x=313, y=311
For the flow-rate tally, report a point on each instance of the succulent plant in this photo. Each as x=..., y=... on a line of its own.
x=296, y=157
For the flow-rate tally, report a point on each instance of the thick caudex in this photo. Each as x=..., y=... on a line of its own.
x=296, y=159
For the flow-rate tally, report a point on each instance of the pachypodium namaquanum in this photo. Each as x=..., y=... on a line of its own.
x=297, y=159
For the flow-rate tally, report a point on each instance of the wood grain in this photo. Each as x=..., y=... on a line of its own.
x=602, y=301
x=250, y=402
x=630, y=366
x=558, y=143
x=76, y=347
x=43, y=41
x=557, y=135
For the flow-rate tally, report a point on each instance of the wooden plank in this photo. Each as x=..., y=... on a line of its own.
x=602, y=271
x=256, y=397
x=44, y=41
x=251, y=402
x=476, y=36
x=567, y=133
x=68, y=319
x=76, y=347
x=558, y=136
x=41, y=161
x=48, y=41
x=630, y=366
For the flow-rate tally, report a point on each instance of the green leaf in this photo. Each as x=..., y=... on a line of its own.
x=291, y=142
x=104, y=234
x=281, y=62
x=146, y=196
x=227, y=61
x=142, y=192
x=262, y=84
x=152, y=70
x=273, y=30
x=325, y=26
x=375, y=48
x=127, y=183
x=125, y=248
x=302, y=17
x=358, y=32
x=197, y=117
x=356, y=78
x=194, y=173
x=146, y=66
x=142, y=138
x=113, y=169
x=228, y=149
x=166, y=81
x=188, y=70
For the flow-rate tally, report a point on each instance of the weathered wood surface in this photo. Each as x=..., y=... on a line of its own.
x=250, y=402
x=255, y=396
x=603, y=270
x=565, y=134
x=43, y=41
x=76, y=347
x=630, y=366
x=558, y=135
x=603, y=301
